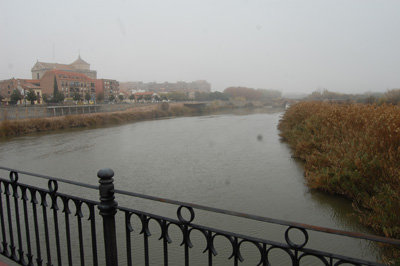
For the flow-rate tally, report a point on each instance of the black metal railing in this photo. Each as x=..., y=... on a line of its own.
x=38, y=227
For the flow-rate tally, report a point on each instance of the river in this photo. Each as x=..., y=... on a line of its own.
x=235, y=162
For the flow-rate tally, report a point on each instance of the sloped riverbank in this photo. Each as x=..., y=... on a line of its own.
x=352, y=150
x=11, y=128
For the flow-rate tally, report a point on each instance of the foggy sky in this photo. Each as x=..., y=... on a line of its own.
x=294, y=46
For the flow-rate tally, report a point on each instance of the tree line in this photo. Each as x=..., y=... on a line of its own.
x=244, y=93
x=390, y=97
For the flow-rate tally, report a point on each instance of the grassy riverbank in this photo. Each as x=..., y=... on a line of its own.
x=351, y=150
x=11, y=128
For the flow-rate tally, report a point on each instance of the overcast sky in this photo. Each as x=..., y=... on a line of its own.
x=294, y=46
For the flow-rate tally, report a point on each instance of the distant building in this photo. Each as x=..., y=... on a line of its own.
x=33, y=85
x=68, y=83
x=79, y=66
x=22, y=85
x=133, y=91
x=180, y=86
x=7, y=87
x=107, y=87
x=145, y=96
x=66, y=79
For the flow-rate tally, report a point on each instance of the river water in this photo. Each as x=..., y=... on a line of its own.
x=234, y=162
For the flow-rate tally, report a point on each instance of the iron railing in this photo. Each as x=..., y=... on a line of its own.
x=37, y=234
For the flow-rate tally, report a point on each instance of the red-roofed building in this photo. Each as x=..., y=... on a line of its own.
x=66, y=79
x=68, y=83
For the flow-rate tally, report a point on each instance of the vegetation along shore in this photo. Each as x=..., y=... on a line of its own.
x=351, y=150
x=12, y=128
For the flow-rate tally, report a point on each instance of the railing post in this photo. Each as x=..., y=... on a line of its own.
x=108, y=209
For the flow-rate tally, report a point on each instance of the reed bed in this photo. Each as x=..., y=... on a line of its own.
x=351, y=150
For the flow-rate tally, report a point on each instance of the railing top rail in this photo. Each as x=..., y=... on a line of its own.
x=255, y=239
x=265, y=219
x=222, y=211
x=51, y=178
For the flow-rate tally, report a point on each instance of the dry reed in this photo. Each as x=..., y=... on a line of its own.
x=351, y=150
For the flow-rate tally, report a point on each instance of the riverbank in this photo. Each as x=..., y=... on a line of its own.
x=351, y=150
x=13, y=128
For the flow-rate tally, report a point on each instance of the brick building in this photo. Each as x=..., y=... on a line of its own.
x=68, y=83
x=79, y=66
x=107, y=87
x=7, y=87
x=22, y=85
x=69, y=80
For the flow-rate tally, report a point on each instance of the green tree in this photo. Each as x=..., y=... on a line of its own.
x=121, y=97
x=131, y=97
x=55, y=86
x=87, y=97
x=111, y=98
x=210, y=96
x=147, y=97
x=31, y=96
x=15, y=97
x=58, y=97
x=77, y=97
x=45, y=97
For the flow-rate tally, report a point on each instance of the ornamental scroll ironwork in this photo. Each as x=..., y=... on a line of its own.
x=38, y=225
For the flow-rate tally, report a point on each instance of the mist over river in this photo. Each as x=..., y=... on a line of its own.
x=234, y=162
